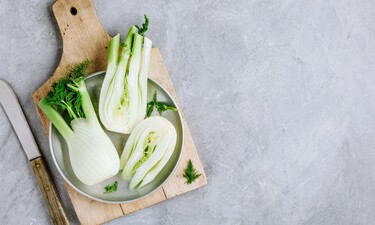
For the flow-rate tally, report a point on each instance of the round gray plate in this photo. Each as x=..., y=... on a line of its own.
x=60, y=153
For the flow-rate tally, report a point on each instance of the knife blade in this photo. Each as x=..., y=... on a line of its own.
x=13, y=109
x=15, y=114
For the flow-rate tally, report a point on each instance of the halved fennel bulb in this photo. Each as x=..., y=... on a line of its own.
x=123, y=97
x=147, y=150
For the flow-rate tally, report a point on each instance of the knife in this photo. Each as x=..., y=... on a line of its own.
x=13, y=109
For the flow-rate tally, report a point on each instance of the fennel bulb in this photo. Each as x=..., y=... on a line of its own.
x=147, y=151
x=123, y=96
x=93, y=156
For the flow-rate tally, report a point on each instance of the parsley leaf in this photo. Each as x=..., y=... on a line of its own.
x=191, y=173
x=150, y=108
x=161, y=107
x=110, y=189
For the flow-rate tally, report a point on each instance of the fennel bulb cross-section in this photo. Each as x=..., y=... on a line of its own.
x=92, y=155
x=147, y=150
x=123, y=96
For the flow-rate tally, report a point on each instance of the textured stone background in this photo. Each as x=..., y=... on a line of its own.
x=279, y=96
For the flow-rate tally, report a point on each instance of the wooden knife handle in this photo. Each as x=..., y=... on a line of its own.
x=49, y=192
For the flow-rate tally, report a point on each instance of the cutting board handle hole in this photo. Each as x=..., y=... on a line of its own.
x=73, y=11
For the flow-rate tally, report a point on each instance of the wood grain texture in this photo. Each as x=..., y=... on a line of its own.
x=49, y=192
x=156, y=197
x=84, y=38
x=92, y=212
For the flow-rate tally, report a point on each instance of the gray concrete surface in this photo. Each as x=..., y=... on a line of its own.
x=279, y=97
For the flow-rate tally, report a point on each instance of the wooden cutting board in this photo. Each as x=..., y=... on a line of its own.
x=84, y=38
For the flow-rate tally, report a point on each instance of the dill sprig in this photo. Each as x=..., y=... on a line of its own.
x=142, y=30
x=110, y=188
x=191, y=173
x=65, y=95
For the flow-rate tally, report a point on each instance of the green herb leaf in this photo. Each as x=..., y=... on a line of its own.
x=65, y=95
x=161, y=107
x=150, y=108
x=190, y=173
x=110, y=189
x=142, y=30
x=78, y=70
